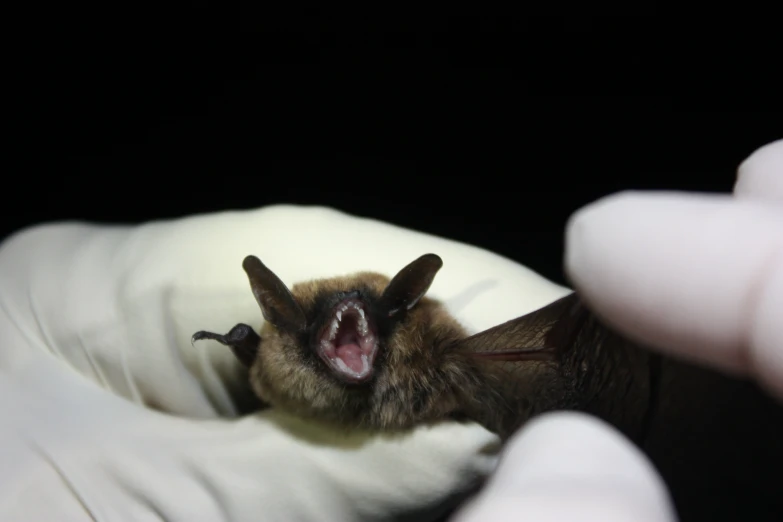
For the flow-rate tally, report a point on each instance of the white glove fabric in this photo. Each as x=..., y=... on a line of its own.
x=698, y=276
x=110, y=414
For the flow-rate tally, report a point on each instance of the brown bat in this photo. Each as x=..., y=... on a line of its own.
x=365, y=351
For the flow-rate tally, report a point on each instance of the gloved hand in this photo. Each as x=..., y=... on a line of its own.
x=110, y=414
x=697, y=276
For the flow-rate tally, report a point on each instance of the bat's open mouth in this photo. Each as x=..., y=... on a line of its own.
x=348, y=342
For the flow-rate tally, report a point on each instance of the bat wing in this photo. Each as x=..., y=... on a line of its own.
x=537, y=336
x=518, y=366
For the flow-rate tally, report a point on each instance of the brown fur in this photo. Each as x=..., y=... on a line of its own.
x=424, y=373
x=414, y=379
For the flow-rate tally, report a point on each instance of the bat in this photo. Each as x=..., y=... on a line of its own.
x=371, y=352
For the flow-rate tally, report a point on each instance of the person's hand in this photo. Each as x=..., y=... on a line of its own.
x=697, y=276
x=109, y=412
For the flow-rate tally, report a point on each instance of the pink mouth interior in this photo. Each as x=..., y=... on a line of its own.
x=348, y=342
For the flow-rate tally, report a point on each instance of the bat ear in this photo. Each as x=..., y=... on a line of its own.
x=410, y=284
x=275, y=299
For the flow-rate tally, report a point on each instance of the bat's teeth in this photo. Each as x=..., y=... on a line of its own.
x=345, y=369
x=328, y=349
x=339, y=315
x=333, y=329
x=364, y=327
x=342, y=366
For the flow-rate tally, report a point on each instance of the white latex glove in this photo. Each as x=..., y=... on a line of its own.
x=699, y=276
x=110, y=414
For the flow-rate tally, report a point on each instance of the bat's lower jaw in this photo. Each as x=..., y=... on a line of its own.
x=347, y=375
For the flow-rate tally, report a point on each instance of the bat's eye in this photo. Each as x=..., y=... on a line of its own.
x=347, y=342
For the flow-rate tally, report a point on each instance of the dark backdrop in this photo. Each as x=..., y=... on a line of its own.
x=486, y=130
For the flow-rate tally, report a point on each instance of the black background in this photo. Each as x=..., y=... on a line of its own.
x=490, y=130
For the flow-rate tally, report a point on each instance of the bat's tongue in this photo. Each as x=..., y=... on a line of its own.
x=348, y=348
x=351, y=355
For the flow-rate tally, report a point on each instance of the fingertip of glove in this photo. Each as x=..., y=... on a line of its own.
x=598, y=232
x=760, y=175
x=576, y=445
x=570, y=466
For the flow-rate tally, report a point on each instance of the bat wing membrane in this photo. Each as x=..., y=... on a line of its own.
x=537, y=336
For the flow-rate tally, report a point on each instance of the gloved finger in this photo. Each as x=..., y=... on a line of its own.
x=760, y=176
x=569, y=466
x=695, y=275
